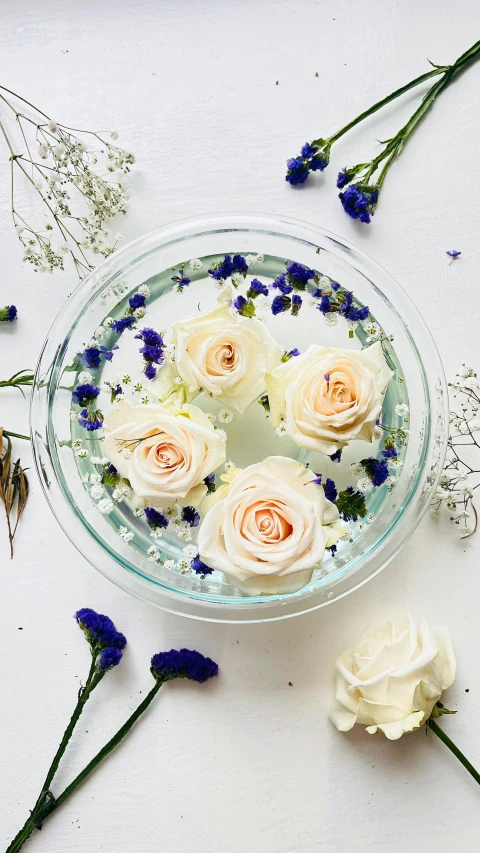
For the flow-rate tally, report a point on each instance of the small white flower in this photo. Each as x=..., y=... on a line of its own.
x=360, y=526
x=396, y=462
x=211, y=417
x=183, y=565
x=464, y=371
x=76, y=443
x=474, y=425
x=153, y=554
x=391, y=480
x=85, y=478
x=95, y=477
x=331, y=319
x=125, y=534
x=264, y=303
x=156, y=533
x=126, y=453
x=184, y=533
x=145, y=400
x=352, y=325
x=365, y=485
x=84, y=377
x=281, y=429
x=19, y=229
x=401, y=410
x=43, y=151
x=377, y=432
x=114, y=134
x=105, y=506
x=221, y=433
x=260, y=259
x=190, y=551
x=144, y=290
x=229, y=465
x=108, y=322
x=97, y=490
x=370, y=518
x=74, y=416
x=470, y=382
x=237, y=278
x=225, y=416
x=92, y=343
x=100, y=333
x=372, y=329
x=82, y=453
x=52, y=126
x=169, y=564
x=139, y=313
x=466, y=489
x=357, y=470
x=95, y=460
x=196, y=264
x=104, y=461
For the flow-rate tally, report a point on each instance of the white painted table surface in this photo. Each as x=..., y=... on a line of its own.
x=246, y=763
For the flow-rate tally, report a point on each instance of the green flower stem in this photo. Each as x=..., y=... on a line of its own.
x=378, y=106
x=23, y=377
x=446, y=740
x=395, y=145
x=47, y=803
x=45, y=796
x=451, y=70
x=16, y=435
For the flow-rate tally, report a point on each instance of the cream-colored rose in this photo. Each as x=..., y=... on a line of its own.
x=264, y=527
x=225, y=354
x=329, y=397
x=391, y=679
x=165, y=456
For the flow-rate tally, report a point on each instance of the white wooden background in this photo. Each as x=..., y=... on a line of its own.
x=248, y=763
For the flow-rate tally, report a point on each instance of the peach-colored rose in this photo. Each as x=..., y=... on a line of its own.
x=165, y=456
x=226, y=354
x=329, y=397
x=264, y=528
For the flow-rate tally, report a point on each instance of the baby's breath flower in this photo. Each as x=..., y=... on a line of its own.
x=156, y=533
x=183, y=565
x=97, y=490
x=125, y=534
x=377, y=432
x=225, y=416
x=401, y=410
x=169, y=564
x=82, y=453
x=95, y=477
x=153, y=554
x=221, y=433
x=189, y=551
x=76, y=443
x=365, y=485
x=196, y=264
x=211, y=417
x=85, y=478
x=84, y=377
x=105, y=506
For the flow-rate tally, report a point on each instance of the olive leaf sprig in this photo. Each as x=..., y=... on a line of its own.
x=13, y=487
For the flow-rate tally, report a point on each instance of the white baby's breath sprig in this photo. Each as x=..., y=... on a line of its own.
x=80, y=187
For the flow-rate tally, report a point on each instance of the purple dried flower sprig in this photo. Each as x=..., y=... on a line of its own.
x=8, y=314
x=365, y=180
x=106, y=645
x=152, y=351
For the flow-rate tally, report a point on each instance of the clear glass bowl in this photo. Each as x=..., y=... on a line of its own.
x=167, y=247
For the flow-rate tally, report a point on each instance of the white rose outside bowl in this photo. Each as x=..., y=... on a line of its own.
x=242, y=233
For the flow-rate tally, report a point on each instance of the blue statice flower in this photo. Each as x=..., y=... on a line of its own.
x=296, y=304
x=343, y=178
x=334, y=285
x=119, y=326
x=290, y=354
x=199, y=567
x=359, y=201
x=330, y=490
x=390, y=453
x=282, y=285
x=452, y=254
x=245, y=307
x=210, y=483
x=152, y=350
x=90, y=357
x=332, y=549
x=183, y=664
x=265, y=402
x=228, y=266
x=137, y=301
x=281, y=304
x=256, y=288
x=108, y=658
x=99, y=630
x=377, y=469
x=190, y=516
x=181, y=280
x=83, y=395
x=8, y=314
x=335, y=457
x=350, y=312
x=317, y=479
x=324, y=305
x=155, y=519
x=298, y=275
x=313, y=158
x=91, y=420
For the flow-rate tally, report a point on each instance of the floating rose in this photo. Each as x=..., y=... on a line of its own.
x=393, y=677
x=165, y=456
x=329, y=397
x=226, y=354
x=264, y=528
